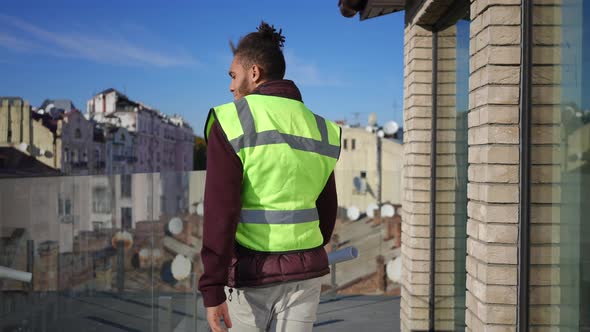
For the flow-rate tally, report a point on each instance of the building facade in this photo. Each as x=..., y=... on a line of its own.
x=496, y=164
x=76, y=136
x=28, y=140
x=162, y=143
x=359, y=158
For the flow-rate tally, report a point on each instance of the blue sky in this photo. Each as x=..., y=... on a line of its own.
x=175, y=57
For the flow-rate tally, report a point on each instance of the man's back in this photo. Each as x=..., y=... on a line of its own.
x=270, y=198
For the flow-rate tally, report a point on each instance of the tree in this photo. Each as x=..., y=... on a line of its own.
x=199, y=154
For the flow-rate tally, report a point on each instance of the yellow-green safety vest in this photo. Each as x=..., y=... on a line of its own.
x=287, y=154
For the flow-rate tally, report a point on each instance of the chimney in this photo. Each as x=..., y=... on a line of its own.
x=377, y=217
x=381, y=281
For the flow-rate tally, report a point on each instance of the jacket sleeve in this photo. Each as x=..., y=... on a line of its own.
x=327, y=205
x=221, y=215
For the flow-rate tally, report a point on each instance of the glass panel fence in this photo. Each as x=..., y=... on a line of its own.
x=122, y=252
x=101, y=253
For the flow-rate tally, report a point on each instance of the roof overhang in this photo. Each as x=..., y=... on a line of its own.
x=370, y=8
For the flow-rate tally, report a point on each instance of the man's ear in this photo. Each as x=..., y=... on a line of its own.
x=256, y=74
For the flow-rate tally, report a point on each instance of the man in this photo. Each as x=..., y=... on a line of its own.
x=270, y=196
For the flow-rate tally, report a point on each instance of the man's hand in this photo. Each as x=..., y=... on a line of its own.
x=213, y=315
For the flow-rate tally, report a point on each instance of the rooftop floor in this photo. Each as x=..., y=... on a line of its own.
x=172, y=312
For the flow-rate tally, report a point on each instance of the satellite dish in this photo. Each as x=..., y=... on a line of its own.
x=353, y=213
x=369, y=129
x=124, y=236
x=393, y=269
x=360, y=185
x=200, y=209
x=23, y=146
x=371, y=210
x=390, y=128
x=387, y=210
x=181, y=267
x=380, y=133
x=372, y=119
x=175, y=226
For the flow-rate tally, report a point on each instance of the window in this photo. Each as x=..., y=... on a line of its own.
x=353, y=144
x=126, y=220
x=126, y=185
x=64, y=205
x=450, y=205
x=101, y=202
x=96, y=226
x=345, y=146
x=78, y=133
x=559, y=278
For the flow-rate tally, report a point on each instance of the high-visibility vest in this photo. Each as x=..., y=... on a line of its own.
x=287, y=154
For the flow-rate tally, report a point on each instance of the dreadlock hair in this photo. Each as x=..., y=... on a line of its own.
x=263, y=48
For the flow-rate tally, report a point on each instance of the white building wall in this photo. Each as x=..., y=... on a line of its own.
x=33, y=204
x=364, y=158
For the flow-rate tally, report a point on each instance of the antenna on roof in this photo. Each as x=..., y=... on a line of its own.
x=372, y=120
x=356, y=119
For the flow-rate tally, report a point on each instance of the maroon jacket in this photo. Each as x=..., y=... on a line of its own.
x=225, y=262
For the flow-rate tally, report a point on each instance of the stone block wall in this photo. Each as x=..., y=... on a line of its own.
x=493, y=191
x=416, y=178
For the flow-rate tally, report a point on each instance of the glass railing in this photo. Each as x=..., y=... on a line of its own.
x=81, y=254
x=77, y=254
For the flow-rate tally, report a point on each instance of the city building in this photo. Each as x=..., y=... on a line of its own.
x=162, y=143
x=28, y=144
x=359, y=159
x=496, y=163
x=76, y=136
x=119, y=148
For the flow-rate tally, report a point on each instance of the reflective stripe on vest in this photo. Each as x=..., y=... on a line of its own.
x=278, y=217
x=251, y=138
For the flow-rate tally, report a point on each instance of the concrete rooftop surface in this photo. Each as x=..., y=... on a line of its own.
x=173, y=313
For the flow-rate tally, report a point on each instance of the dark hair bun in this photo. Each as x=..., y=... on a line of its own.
x=269, y=32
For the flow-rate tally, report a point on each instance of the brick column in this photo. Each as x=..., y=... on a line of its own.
x=493, y=172
x=416, y=178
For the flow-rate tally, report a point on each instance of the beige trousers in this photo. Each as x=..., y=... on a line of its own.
x=286, y=307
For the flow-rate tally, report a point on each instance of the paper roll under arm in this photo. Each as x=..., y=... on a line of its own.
x=8, y=273
x=343, y=255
